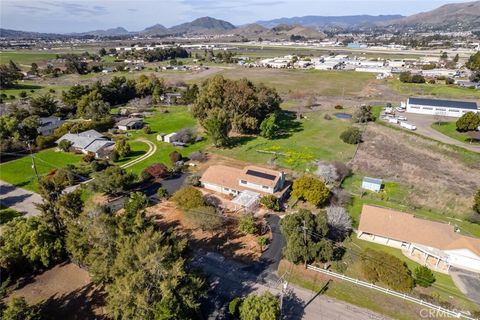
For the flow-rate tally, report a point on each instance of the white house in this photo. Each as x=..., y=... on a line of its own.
x=449, y=108
x=171, y=137
x=234, y=181
x=436, y=245
x=89, y=141
x=130, y=124
x=372, y=184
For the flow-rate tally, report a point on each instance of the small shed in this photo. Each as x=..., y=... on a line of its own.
x=171, y=137
x=372, y=184
x=130, y=124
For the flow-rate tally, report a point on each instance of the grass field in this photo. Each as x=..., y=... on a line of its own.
x=439, y=90
x=28, y=86
x=308, y=139
x=450, y=129
x=327, y=83
x=25, y=58
x=19, y=172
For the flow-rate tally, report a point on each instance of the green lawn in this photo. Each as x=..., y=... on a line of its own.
x=28, y=86
x=177, y=118
x=19, y=172
x=308, y=139
x=137, y=149
x=438, y=90
x=450, y=129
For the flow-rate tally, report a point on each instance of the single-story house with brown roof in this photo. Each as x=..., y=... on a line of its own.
x=435, y=244
x=254, y=179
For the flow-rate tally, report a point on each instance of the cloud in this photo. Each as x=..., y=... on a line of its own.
x=216, y=5
x=31, y=9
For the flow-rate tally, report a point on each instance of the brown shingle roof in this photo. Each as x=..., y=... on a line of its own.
x=406, y=227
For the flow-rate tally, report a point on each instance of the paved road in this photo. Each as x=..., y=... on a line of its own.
x=467, y=282
x=424, y=122
x=229, y=279
x=19, y=199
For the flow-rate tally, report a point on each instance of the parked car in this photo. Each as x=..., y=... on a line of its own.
x=402, y=118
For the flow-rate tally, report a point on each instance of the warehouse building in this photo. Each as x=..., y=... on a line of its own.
x=448, y=108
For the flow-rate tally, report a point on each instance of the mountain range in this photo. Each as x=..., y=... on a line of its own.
x=450, y=17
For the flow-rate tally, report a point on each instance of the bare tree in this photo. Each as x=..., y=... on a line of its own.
x=327, y=172
x=339, y=221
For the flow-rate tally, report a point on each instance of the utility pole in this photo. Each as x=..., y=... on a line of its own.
x=305, y=244
x=284, y=290
x=34, y=167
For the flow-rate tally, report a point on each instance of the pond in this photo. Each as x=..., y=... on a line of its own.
x=341, y=115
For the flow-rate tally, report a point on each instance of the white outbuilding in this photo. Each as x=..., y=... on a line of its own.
x=448, y=108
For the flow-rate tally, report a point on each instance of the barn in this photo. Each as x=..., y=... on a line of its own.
x=447, y=108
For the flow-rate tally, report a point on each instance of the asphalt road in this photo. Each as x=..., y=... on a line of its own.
x=424, y=122
x=467, y=282
x=19, y=199
x=228, y=279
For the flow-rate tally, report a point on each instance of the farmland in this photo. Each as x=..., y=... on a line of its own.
x=437, y=90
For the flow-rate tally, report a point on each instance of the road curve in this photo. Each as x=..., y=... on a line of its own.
x=152, y=148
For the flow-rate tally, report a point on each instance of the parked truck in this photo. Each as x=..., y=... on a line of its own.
x=408, y=126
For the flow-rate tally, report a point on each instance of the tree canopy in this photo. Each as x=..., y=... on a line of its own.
x=306, y=237
x=265, y=306
x=310, y=189
x=245, y=104
x=469, y=121
x=473, y=62
x=188, y=197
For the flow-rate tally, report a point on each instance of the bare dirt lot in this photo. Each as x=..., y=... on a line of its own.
x=66, y=293
x=229, y=240
x=442, y=178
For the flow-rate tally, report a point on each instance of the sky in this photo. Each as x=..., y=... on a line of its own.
x=86, y=15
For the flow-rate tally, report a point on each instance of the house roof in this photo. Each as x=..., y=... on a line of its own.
x=406, y=227
x=229, y=177
x=84, y=139
x=444, y=103
x=98, y=144
x=259, y=175
x=129, y=121
x=372, y=180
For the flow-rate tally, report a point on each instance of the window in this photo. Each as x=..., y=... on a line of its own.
x=264, y=187
x=427, y=108
x=441, y=109
x=243, y=182
x=453, y=110
x=412, y=107
x=226, y=189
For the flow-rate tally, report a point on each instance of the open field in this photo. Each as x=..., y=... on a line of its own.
x=34, y=88
x=308, y=139
x=441, y=178
x=25, y=58
x=437, y=90
x=450, y=129
x=19, y=172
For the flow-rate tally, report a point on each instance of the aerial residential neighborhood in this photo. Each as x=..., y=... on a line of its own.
x=239, y=160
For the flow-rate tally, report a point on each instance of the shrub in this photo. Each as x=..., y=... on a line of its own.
x=188, y=197
x=271, y=202
x=147, y=130
x=175, y=156
x=424, y=277
x=193, y=180
x=262, y=241
x=122, y=147
x=338, y=107
x=431, y=81
x=22, y=94
x=45, y=141
x=234, y=307
x=476, y=202
x=327, y=117
x=186, y=135
x=363, y=114
x=114, y=156
x=468, y=122
x=247, y=224
x=198, y=156
x=162, y=193
x=352, y=135
x=64, y=145
x=145, y=175
x=310, y=189
x=378, y=266
x=89, y=157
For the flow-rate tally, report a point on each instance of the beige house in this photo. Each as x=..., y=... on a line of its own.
x=435, y=244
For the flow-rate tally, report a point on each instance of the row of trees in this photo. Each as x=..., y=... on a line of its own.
x=9, y=74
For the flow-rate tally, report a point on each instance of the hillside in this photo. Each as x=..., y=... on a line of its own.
x=328, y=22
x=205, y=24
x=155, y=30
x=455, y=16
x=119, y=31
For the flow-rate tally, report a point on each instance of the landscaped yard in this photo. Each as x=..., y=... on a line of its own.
x=450, y=129
x=19, y=172
x=174, y=120
x=439, y=90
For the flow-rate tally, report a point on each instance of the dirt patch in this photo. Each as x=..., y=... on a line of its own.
x=65, y=292
x=229, y=241
x=438, y=176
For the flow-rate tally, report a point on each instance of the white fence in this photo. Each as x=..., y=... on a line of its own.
x=439, y=309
